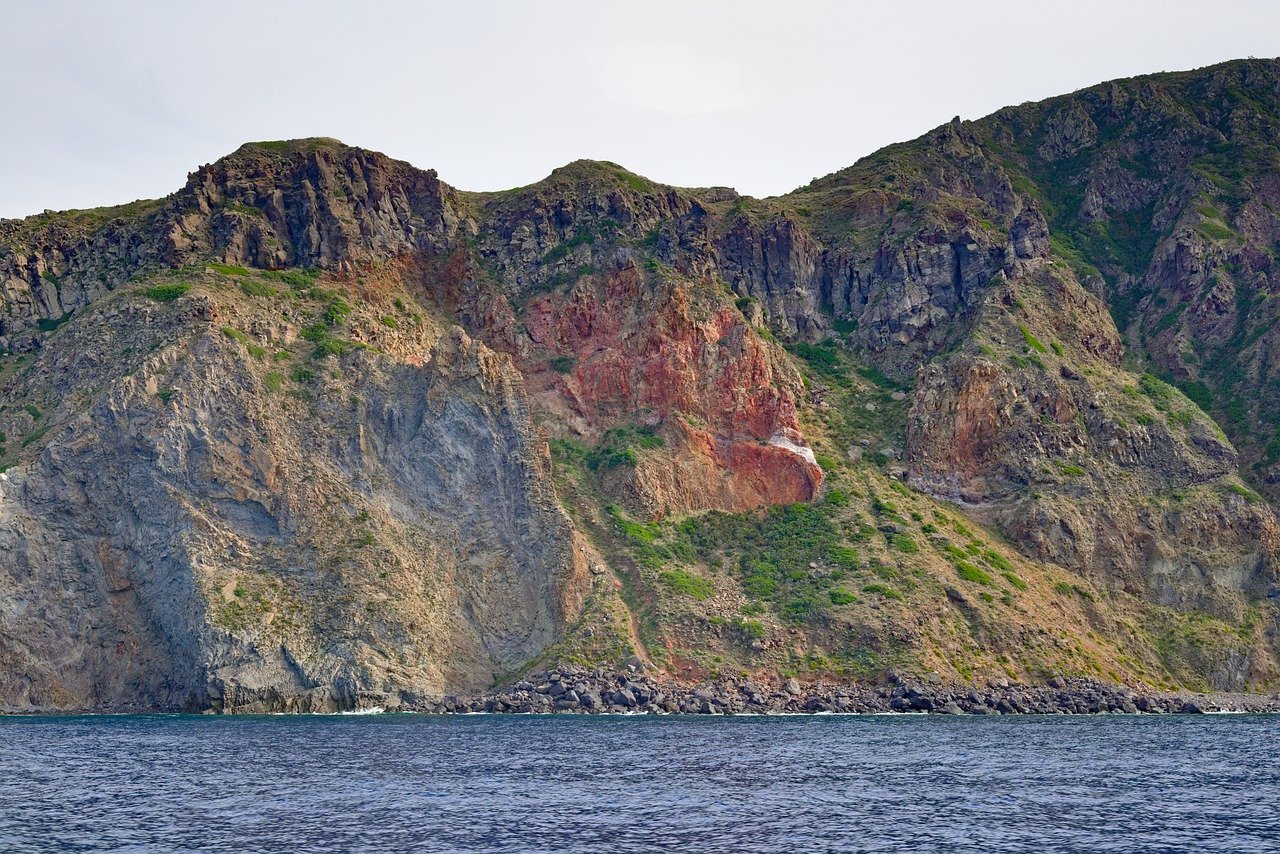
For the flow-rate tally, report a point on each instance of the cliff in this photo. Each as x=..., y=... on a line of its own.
x=320, y=431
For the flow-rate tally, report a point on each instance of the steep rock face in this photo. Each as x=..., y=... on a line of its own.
x=1090, y=467
x=306, y=203
x=315, y=203
x=668, y=351
x=396, y=535
x=332, y=496
x=1164, y=191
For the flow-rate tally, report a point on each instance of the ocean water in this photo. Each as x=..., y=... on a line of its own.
x=590, y=784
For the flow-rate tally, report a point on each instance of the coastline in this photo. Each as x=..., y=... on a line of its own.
x=632, y=691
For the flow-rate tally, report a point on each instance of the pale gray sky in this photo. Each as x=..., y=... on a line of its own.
x=105, y=102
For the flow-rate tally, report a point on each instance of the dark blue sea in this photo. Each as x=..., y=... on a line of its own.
x=590, y=784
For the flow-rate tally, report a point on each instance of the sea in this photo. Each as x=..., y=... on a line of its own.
x=569, y=783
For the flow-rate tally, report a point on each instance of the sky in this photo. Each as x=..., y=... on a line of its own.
x=106, y=102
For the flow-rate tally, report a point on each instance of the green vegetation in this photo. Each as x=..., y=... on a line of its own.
x=167, y=292
x=236, y=335
x=775, y=553
x=586, y=237
x=687, y=584
x=1214, y=230
x=257, y=288
x=882, y=590
x=1032, y=341
x=1014, y=580
x=48, y=324
x=618, y=447
x=903, y=543
x=1244, y=492
x=562, y=364
x=336, y=311
x=326, y=345
x=1066, y=589
x=297, y=279
x=969, y=572
x=34, y=436
x=639, y=533
x=841, y=596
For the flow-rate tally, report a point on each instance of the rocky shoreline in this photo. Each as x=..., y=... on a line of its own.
x=579, y=690
x=633, y=690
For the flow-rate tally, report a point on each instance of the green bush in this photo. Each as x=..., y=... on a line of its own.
x=315, y=332
x=641, y=533
x=618, y=446
x=34, y=436
x=1032, y=341
x=294, y=278
x=903, y=543
x=563, y=364
x=336, y=311
x=1015, y=580
x=1066, y=589
x=166, y=292
x=257, y=288
x=1236, y=489
x=996, y=560
x=273, y=381
x=969, y=572
x=775, y=550
x=236, y=335
x=759, y=580
x=882, y=590
x=1213, y=230
x=687, y=584
x=802, y=608
x=844, y=556
x=331, y=347
x=840, y=596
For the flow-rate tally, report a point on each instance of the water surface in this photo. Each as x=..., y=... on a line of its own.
x=588, y=784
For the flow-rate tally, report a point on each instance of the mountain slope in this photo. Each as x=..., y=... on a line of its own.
x=319, y=430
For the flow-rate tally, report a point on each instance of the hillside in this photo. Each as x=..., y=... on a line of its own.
x=320, y=431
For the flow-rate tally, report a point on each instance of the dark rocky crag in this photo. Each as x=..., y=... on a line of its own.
x=579, y=690
x=320, y=431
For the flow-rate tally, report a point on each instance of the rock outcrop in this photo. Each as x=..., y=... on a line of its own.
x=319, y=430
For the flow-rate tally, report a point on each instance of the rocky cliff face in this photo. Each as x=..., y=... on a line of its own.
x=319, y=430
x=186, y=531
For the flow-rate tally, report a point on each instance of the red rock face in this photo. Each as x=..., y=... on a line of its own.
x=672, y=353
